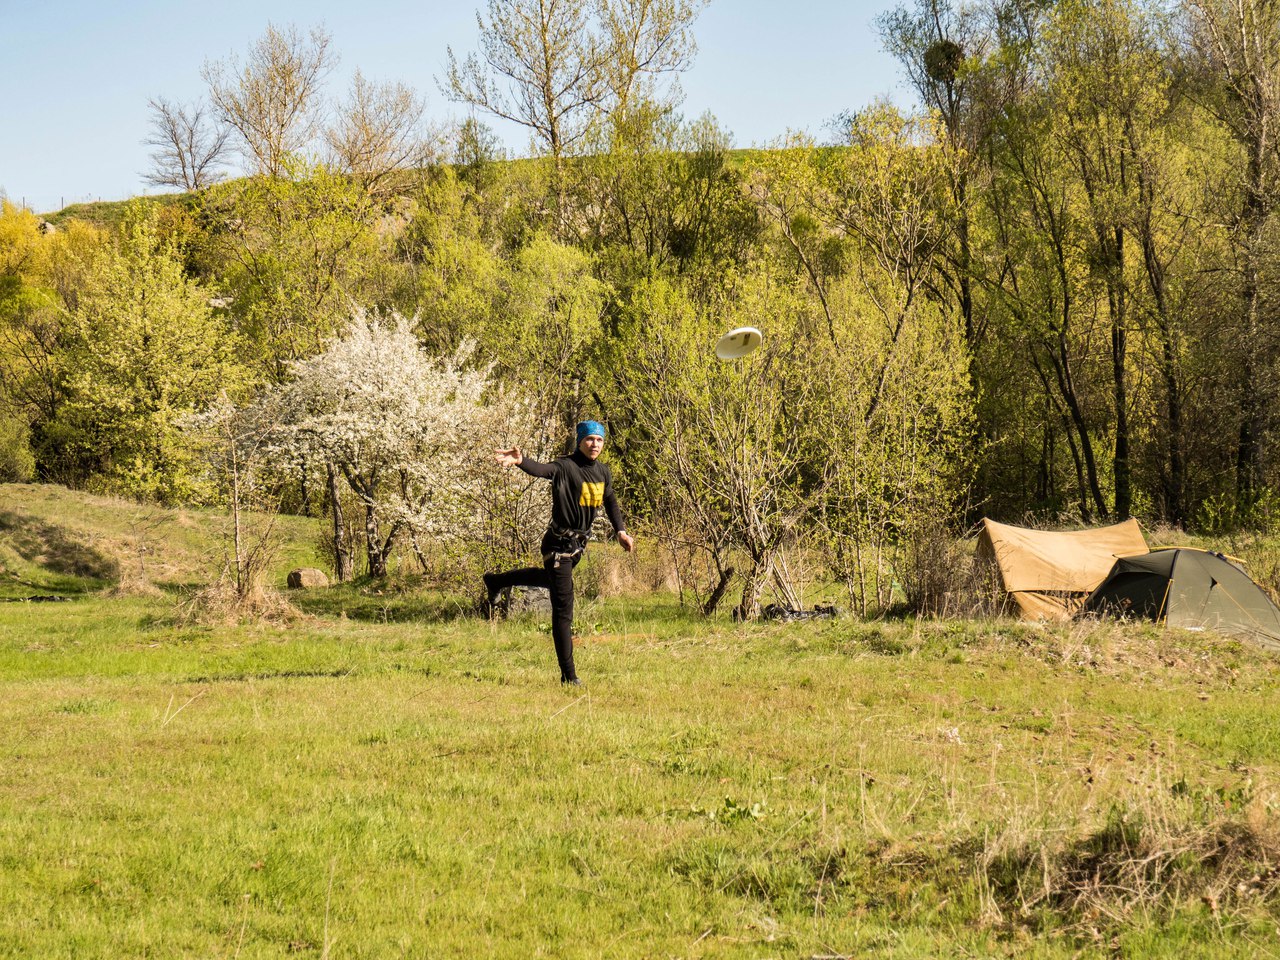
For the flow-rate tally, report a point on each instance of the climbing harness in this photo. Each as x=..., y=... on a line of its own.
x=572, y=543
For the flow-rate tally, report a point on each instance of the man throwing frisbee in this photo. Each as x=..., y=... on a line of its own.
x=580, y=486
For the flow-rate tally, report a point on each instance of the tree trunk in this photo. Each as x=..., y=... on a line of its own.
x=713, y=601
x=376, y=550
x=1249, y=450
x=749, y=605
x=304, y=489
x=341, y=548
x=1066, y=385
x=1123, y=502
x=966, y=264
x=1074, y=433
x=237, y=534
x=417, y=550
x=1174, y=474
x=1044, y=469
x=1110, y=239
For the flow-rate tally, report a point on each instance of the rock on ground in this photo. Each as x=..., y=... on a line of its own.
x=306, y=578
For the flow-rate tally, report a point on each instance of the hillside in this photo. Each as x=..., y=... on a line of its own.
x=108, y=213
x=57, y=541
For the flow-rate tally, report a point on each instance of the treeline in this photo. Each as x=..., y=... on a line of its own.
x=1112, y=248
x=1048, y=292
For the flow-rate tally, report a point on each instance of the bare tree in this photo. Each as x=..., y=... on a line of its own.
x=273, y=102
x=937, y=42
x=646, y=39
x=190, y=146
x=235, y=443
x=540, y=65
x=378, y=131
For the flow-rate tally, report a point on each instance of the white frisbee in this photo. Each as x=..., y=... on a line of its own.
x=738, y=343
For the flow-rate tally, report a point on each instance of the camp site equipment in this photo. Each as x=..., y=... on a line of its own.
x=738, y=343
x=776, y=611
x=1049, y=574
x=1188, y=588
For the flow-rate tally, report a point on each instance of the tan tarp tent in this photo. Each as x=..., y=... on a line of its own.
x=1049, y=574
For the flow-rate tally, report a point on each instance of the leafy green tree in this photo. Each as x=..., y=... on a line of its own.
x=1090, y=248
x=290, y=253
x=805, y=444
x=143, y=350
x=1238, y=45
x=1042, y=300
x=726, y=446
x=1109, y=93
x=862, y=228
x=551, y=312
x=942, y=46
x=29, y=318
x=17, y=462
x=41, y=276
x=454, y=256
x=661, y=195
x=1132, y=142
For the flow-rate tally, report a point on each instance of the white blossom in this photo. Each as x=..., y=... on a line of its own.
x=413, y=434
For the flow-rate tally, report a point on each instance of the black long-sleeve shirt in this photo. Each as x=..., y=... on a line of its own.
x=580, y=486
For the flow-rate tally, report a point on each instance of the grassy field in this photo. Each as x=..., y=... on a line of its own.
x=386, y=775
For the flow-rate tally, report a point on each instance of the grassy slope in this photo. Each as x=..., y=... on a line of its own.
x=56, y=541
x=110, y=213
x=371, y=782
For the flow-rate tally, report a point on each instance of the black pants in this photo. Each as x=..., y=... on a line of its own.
x=556, y=576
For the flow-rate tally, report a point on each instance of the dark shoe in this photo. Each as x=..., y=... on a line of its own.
x=489, y=605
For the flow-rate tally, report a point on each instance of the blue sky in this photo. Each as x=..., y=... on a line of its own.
x=75, y=75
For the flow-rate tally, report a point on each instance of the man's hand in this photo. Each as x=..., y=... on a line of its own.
x=628, y=544
x=509, y=458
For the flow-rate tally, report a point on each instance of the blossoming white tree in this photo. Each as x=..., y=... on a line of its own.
x=408, y=431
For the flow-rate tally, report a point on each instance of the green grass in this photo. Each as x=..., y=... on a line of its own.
x=387, y=775
x=349, y=787
x=109, y=213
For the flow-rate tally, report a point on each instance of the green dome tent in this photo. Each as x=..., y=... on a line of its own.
x=1188, y=588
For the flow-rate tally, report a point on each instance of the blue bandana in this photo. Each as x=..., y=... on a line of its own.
x=589, y=428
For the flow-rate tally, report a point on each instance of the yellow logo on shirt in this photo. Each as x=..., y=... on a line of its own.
x=592, y=495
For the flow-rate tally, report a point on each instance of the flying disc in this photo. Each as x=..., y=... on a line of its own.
x=738, y=343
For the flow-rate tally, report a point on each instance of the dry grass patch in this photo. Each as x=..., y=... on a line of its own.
x=1146, y=860
x=221, y=604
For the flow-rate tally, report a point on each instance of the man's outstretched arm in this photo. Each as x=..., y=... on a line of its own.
x=512, y=457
